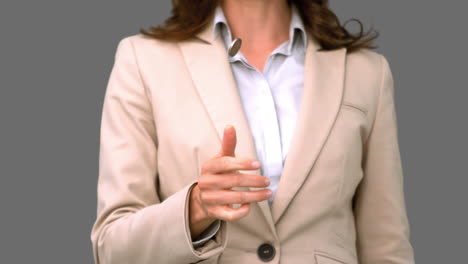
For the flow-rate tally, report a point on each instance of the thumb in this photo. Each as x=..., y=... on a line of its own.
x=228, y=145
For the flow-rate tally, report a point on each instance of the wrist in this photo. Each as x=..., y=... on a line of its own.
x=198, y=219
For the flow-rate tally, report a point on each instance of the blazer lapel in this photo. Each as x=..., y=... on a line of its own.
x=208, y=63
x=320, y=103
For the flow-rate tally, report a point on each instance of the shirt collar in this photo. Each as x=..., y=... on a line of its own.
x=297, y=30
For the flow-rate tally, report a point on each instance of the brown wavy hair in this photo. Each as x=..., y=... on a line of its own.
x=189, y=17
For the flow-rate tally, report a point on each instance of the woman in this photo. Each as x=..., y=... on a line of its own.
x=278, y=147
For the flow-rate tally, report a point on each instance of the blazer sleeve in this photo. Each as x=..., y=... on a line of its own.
x=381, y=220
x=133, y=224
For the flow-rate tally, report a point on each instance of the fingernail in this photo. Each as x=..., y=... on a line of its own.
x=269, y=192
x=267, y=181
x=256, y=164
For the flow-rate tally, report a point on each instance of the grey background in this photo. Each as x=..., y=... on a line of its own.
x=55, y=60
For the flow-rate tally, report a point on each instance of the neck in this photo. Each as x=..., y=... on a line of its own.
x=261, y=24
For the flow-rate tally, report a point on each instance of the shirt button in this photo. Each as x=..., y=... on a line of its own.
x=265, y=89
x=266, y=252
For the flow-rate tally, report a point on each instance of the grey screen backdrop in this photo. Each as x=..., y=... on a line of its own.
x=55, y=60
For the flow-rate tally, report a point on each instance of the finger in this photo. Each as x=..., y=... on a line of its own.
x=227, y=213
x=225, y=181
x=228, y=145
x=217, y=197
x=228, y=164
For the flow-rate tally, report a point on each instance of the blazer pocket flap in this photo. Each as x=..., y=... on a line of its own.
x=324, y=259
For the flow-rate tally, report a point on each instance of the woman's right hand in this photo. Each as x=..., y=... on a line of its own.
x=212, y=197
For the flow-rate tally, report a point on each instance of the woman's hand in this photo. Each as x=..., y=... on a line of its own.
x=212, y=197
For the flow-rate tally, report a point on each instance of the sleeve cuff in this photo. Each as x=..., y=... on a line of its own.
x=207, y=234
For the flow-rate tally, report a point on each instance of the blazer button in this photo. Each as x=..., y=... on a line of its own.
x=266, y=252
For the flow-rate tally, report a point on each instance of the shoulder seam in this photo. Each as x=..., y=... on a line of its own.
x=135, y=57
x=381, y=82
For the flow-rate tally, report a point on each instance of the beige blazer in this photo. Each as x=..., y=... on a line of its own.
x=340, y=198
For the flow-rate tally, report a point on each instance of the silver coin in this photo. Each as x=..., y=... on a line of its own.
x=234, y=47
